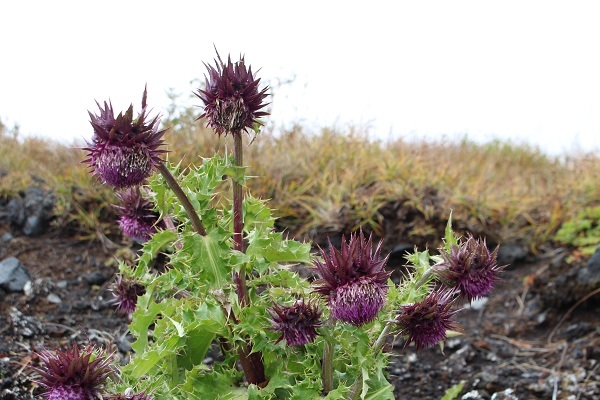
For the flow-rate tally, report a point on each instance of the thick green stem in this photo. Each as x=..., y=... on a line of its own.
x=327, y=366
x=377, y=347
x=183, y=199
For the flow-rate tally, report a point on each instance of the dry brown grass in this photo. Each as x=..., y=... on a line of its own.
x=340, y=181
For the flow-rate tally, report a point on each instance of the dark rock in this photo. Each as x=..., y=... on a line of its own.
x=123, y=344
x=96, y=278
x=14, y=211
x=590, y=274
x=511, y=253
x=7, y=237
x=13, y=275
x=38, y=207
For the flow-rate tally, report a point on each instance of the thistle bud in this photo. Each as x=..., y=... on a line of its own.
x=231, y=97
x=138, y=220
x=297, y=323
x=75, y=374
x=126, y=294
x=470, y=268
x=124, y=151
x=426, y=322
x=353, y=279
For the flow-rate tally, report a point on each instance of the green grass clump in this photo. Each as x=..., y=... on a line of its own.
x=339, y=181
x=582, y=231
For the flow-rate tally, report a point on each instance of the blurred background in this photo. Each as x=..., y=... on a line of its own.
x=520, y=71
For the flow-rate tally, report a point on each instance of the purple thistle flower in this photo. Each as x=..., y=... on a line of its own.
x=124, y=151
x=126, y=294
x=470, y=268
x=426, y=322
x=297, y=323
x=353, y=279
x=138, y=220
x=73, y=374
x=231, y=97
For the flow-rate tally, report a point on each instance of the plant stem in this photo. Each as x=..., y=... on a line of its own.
x=183, y=199
x=238, y=219
x=355, y=391
x=327, y=367
x=252, y=363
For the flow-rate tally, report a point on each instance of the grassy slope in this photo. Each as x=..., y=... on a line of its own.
x=339, y=181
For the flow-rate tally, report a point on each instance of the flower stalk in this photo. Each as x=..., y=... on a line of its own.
x=185, y=202
x=327, y=366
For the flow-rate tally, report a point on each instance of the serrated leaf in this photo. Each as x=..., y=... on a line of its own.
x=454, y=391
x=449, y=238
x=207, y=259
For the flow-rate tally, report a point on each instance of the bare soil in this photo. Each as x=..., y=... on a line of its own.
x=529, y=337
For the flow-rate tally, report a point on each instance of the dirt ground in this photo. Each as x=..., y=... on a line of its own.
x=529, y=337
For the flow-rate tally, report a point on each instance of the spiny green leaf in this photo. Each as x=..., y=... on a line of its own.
x=454, y=391
x=449, y=239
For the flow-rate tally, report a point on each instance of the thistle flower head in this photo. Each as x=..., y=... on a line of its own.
x=138, y=220
x=124, y=151
x=126, y=294
x=232, y=99
x=353, y=279
x=297, y=323
x=73, y=374
x=426, y=322
x=470, y=268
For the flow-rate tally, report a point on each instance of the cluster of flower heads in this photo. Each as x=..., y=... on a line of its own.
x=124, y=150
x=78, y=374
x=469, y=270
x=232, y=100
x=354, y=282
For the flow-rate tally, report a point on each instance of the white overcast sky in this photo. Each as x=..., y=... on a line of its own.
x=523, y=70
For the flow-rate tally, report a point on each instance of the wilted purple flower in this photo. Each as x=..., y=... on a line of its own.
x=426, y=322
x=126, y=294
x=231, y=97
x=124, y=151
x=138, y=220
x=75, y=374
x=297, y=323
x=353, y=279
x=470, y=268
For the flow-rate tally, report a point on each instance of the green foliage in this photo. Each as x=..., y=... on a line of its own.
x=582, y=231
x=192, y=307
x=453, y=392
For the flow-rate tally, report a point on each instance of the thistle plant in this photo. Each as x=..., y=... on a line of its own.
x=229, y=290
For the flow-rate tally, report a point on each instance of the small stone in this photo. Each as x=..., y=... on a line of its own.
x=13, y=275
x=62, y=284
x=472, y=395
x=123, y=345
x=7, y=237
x=510, y=253
x=507, y=394
x=53, y=298
x=96, y=278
